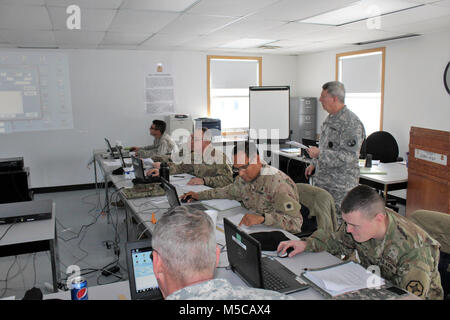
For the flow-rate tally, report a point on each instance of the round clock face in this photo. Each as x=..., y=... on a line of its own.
x=447, y=78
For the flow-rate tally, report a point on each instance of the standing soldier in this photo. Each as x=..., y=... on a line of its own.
x=336, y=158
x=262, y=188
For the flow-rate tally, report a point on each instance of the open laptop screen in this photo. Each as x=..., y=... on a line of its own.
x=171, y=193
x=111, y=151
x=138, y=167
x=143, y=283
x=244, y=254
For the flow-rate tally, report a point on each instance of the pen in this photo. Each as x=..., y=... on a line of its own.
x=178, y=176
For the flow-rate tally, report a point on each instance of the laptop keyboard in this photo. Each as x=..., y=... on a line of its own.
x=272, y=281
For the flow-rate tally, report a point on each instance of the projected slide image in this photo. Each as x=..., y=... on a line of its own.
x=19, y=93
x=34, y=92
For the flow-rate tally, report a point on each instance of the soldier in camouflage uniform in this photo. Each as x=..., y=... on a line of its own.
x=376, y=236
x=209, y=165
x=185, y=256
x=262, y=188
x=336, y=158
x=162, y=145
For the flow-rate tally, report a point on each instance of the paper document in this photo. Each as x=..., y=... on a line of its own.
x=343, y=278
x=221, y=204
x=364, y=170
x=297, y=144
x=111, y=163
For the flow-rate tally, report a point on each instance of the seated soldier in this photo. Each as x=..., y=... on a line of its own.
x=185, y=256
x=373, y=235
x=162, y=145
x=209, y=165
x=262, y=188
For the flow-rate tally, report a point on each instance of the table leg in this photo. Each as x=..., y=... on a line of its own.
x=54, y=261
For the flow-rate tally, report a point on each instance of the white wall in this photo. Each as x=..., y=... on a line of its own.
x=107, y=89
x=414, y=93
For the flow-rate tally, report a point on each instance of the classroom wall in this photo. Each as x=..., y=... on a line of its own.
x=414, y=93
x=108, y=100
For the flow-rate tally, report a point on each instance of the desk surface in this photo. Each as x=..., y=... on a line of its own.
x=395, y=172
x=142, y=210
x=31, y=231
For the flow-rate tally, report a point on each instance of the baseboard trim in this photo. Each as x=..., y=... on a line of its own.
x=74, y=187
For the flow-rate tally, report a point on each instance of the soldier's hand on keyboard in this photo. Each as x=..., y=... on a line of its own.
x=251, y=219
x=152, y=172
x=196, y=181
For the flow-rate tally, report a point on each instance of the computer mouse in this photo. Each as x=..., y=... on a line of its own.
x=286, y=254
x=186, y=199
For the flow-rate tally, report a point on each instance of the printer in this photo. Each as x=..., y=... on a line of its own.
x=182, y=125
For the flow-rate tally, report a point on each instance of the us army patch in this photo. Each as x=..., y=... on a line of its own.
x=415, y=287
x=288, y=206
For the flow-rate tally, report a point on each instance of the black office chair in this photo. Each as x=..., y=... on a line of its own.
x=382, y=146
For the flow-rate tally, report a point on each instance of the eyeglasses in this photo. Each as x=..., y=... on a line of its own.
x=237, y=170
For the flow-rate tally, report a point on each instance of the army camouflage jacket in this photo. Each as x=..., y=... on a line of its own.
x=407, y=256
x=337, y=169
x=272, y=193
x=162, y=146
x=213, y=167
x=221, y=289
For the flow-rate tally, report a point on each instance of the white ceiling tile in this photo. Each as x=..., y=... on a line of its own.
x=86, y=4
x=404, y=19
x=141, y=21
x=24, y=17
x=91, y=19
x=129, y=39
x=116, y=47
x=292, y=10
x=205, y=42
x=443, y=3
x=293, y=30
x=248, y=27
x=74, y=38
x=24, y=2
x=159, y=40
x=232, y=8
x=27, y=38
x=158, y=5
x=196, y=24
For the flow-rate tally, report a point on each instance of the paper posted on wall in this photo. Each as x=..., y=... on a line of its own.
x=159, y=93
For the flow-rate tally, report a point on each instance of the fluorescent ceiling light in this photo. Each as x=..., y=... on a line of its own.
x=246, y=43
x=360, y=10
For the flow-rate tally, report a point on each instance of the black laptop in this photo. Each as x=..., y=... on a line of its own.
x=244, y=255
x=113, y=151
x=143, y=283
x=140, y=177
x=25, y=211
x=174, y=201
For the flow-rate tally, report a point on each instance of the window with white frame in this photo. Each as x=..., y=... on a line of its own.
x=362, y=73
x=228, y=95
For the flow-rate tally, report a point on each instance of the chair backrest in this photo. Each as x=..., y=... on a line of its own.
x=382, y=146
x=436, y=224
x=321, y=205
